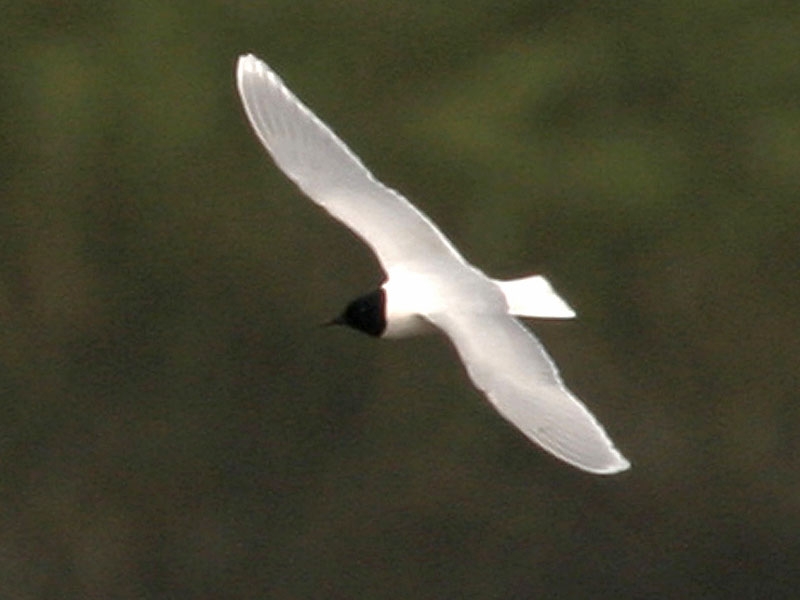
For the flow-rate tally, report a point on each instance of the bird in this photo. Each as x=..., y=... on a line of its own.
x=428, y=285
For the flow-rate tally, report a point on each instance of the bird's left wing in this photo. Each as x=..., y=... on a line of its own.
x=505, y=361
x=312, y=156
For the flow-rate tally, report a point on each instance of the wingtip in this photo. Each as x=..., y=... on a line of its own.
x=619, y=464
x=248, y=57
x=248, y=63
x=249, y=66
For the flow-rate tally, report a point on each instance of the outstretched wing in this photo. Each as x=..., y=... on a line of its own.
x=311, y=155
x=505, y=361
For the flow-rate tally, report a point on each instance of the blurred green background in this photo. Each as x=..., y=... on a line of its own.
x=175, y=425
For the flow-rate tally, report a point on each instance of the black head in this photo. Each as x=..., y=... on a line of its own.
x=366, y=313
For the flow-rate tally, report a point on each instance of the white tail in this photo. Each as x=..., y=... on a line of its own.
x=534, y=297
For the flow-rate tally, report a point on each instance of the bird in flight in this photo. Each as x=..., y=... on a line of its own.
x=429, y=285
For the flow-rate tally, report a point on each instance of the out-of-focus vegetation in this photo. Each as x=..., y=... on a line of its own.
x=174, y=424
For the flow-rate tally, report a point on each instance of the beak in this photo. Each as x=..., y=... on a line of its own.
x=336, y=321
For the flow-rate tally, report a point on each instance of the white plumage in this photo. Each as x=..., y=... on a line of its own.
x=428, y=281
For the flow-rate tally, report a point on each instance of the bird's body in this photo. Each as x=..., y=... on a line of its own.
x=429, y=286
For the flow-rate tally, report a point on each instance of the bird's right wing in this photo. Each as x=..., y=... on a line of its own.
x=314, y=158
x=505, y=361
